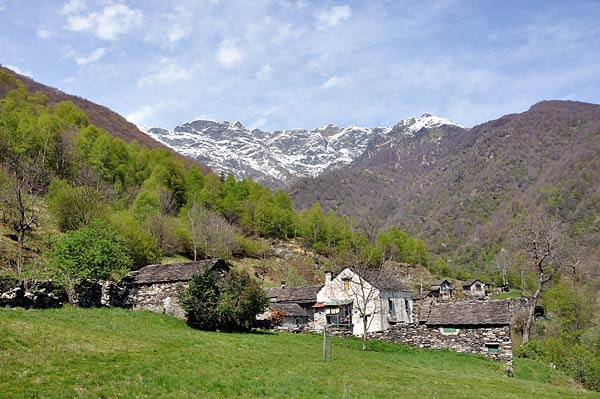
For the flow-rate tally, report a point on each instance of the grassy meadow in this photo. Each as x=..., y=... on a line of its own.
x=115, y=353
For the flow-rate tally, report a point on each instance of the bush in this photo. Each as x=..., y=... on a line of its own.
x=227, y=303
x=531, y=350
x=95, y=252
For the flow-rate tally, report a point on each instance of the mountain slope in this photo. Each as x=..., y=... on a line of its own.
x=99, y=115
x=281, y=157
x=459, y=189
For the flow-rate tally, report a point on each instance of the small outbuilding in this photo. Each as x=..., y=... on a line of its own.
x=474, y=288
x=295, y=303
x=442, y=290
x=480, y=327
x=157, y=287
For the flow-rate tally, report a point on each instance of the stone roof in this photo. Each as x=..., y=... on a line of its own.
x=470, y=282
x=289, y=309
x=467, y=313
x=438, y=283
x=385, y=280
x=305, y=294
x=173, y=272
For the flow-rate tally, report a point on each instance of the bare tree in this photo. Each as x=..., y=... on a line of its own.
x=210, y=232
x=370, y=222
x=164, y=230
x=548, y=250
x=22, y=188
x=503, y=261
x=194, y=216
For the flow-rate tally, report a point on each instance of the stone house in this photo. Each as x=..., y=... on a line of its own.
x=480, y=327
x=474, y=288
x=157, y=287
x=381, y=295
x=296, y=304
x=442, y=290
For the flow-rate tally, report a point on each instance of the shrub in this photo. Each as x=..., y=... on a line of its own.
x=96, y=252
x=223, y=302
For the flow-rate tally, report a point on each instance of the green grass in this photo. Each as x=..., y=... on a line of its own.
x=115, y=353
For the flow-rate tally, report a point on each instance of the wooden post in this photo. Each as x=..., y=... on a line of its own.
x=330, y=345
x=325, y=342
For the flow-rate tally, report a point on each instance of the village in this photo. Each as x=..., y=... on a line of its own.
x=373, y=304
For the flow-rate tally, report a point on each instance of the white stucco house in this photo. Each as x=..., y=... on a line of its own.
x=378, y=295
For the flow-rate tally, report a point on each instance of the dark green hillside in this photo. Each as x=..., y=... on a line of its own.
x=461, y=190
x=113, y=353
x=59, y=173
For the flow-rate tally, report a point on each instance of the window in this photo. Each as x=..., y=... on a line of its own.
x=346, y=284
x=339, y=315
x=391, y=308
x=492, y=347
x=449, y=330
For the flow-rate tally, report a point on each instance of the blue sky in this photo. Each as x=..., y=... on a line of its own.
x=296, y=63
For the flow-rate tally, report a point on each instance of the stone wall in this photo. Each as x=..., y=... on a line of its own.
x=45, y=294
x=159, y=298
x=466, y=340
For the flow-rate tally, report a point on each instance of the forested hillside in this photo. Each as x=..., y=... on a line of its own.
x=77, y=202
x=462, y=190
x=98, y=115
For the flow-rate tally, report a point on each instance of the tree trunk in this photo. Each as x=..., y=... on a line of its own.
x=364, y=338
x=531, y=314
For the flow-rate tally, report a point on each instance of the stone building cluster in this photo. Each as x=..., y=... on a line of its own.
x=351, y=302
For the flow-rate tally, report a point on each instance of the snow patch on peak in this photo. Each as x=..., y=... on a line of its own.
x=282, y=155
x=425, y=121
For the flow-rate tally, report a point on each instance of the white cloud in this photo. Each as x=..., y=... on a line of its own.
x=334, y=16
x=264, y=72
x=73, y=7
x=113, y=21
x=287, y=32
x=257, y=124
x=336, y=81
x=228, y=54
x=167, y=72
x=141, y=116
x=18, y=70
x=44, y=33
x=92, y=57
x=176, y=33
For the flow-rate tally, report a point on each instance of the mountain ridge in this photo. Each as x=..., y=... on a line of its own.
x=460, y=191
x=280, y=157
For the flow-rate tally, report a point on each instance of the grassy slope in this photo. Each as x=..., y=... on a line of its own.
x=114, y=353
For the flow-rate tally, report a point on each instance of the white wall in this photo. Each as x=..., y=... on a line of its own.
x=366, y=299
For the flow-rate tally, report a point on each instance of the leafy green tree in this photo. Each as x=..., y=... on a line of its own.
x=141, y=245
x=241, y=299
x=395, y=244
x=75, y=207
x=228, y=303
x=96, y=251
x=200, y=301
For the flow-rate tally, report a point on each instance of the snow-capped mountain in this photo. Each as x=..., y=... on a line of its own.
x=278, y=158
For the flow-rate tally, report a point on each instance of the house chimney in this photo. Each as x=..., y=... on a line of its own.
x=327, y=279
x=283, y=284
